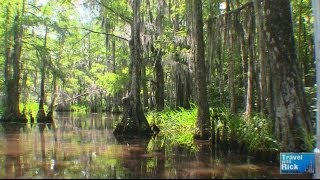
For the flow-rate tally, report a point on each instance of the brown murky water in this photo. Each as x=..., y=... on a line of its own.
x=86, y=148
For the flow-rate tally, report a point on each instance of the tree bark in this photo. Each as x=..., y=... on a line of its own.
x=179, y=86
x=134, y=122
x=42, y=56
x=159, y=81
x=292, y=120
x=144, y=86
x=203, y=120
x=244, y=58
x=115, y=98
x=250, y=42
x=231, y=82
x=264, y=108
x=12, y=65
x=158, y=61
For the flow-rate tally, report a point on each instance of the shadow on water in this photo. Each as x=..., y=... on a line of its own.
x=86, y=148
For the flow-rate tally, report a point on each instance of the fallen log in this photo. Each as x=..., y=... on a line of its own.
x=70, y=99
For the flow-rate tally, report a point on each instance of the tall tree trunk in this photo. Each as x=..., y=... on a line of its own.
x=250, y=42
x=159, y=81
x=42, y=56
x=203, y=119
x=12, y=65
x=144, y=85
x=292, y=119
x=108, y=98
x=134, y=122
x=158, y=61
x=244, y=58
x=188, y=42
x=220, y=53
x=115, y=98
x=300, y=57
x=179, y=86
x=227, y=55
x=24, y=88
x=187, y=89
x=230, y=58
x=262, y=58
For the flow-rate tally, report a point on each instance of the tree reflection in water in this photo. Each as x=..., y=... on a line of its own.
x=138, y=160
x=86, y=148
x=13, y=153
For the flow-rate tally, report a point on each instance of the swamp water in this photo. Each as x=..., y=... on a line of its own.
x=86, y=148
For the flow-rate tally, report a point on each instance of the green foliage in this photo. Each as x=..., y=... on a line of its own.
x=311, y=100
x=310, y=141
x=112, y=82
x=226, y=124
x=1, y=81
x=177, y=126
x=31, y=107
x=255, y=133
x=1, y=110
x=217, y=98
x=78, y=108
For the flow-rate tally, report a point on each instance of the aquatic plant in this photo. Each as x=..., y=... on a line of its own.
x=79, y=108
x=31, y=108
x=255, y=134
x=177, y=126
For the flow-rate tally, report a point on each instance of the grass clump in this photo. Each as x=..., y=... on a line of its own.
x=178, y=126
x=257, y=133
x=254, y=133
x=79, y=108
x=31, y=108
